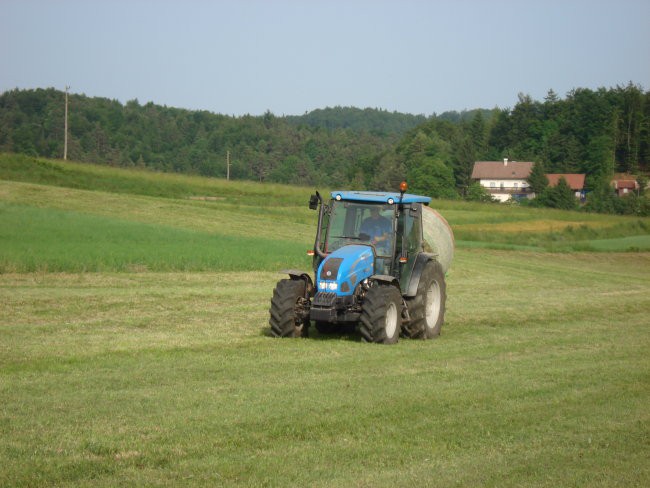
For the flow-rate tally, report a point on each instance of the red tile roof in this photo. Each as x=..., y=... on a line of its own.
x=575, y=181
x=500, y=170
x=625, y=180
x=630, y=184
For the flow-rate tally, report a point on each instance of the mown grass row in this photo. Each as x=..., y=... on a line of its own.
x=540, y=378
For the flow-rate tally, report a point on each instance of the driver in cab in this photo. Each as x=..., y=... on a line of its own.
x=378, y=228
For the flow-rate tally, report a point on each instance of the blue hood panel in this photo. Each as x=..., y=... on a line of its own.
x=346, y=266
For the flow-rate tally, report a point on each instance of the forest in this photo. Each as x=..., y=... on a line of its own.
x=597, y=132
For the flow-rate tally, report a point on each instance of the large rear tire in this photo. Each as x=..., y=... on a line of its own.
x=427, y=308
x=381, y=315
x=286, y=320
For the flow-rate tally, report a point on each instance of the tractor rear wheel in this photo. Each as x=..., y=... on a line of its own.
x=381, y=315
x=427, y=308
x=286, y=318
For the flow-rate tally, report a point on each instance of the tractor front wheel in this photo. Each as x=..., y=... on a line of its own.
x=381, y=315
x=286, y=307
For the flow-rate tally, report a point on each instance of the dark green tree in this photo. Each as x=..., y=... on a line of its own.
x=599, y=157
x=537, y=179
x=526, y=128
x=559, y=196
x=629, y=115
x=390, y=172
x=425, y=158
x=478, y=193
x=433, y=178
x=602, y=198
x=500, y=137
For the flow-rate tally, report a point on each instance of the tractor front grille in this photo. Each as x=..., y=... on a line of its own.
x=324, y=299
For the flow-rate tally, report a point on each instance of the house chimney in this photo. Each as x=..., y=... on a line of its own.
x=505, y=161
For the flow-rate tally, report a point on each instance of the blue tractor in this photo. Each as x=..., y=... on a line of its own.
x=372, y=269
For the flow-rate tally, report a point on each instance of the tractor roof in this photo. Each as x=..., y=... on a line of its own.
x=379, y=197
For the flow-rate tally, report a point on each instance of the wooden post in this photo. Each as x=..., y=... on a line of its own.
x=227, y=165
x=65, y=130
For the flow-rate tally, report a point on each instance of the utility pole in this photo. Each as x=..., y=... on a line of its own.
x=65, y=130
x=227, y=165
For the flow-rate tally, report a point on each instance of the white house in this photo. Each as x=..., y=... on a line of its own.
x=504, y=179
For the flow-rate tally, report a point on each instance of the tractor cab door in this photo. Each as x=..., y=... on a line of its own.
x=409, y=227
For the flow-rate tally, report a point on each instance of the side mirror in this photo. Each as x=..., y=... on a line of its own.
x=313, y=202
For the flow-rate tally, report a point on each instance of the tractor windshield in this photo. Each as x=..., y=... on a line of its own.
x=361, y=223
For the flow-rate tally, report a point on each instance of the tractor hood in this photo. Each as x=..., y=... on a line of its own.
x=342, y=270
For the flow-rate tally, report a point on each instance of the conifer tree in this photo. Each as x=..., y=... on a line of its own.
x=561, y=196
x=537, y=178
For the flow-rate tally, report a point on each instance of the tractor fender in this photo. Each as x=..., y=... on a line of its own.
x=296, y=274
x=418, y=267
x=387, y=279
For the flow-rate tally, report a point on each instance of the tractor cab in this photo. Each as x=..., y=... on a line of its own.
x=388, y=223
x=354, y=223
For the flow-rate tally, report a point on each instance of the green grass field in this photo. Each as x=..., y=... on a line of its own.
x=134, y=348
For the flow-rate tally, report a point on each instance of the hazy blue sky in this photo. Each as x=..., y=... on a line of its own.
x=249, y=56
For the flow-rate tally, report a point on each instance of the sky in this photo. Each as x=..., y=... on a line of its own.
x=291, y=57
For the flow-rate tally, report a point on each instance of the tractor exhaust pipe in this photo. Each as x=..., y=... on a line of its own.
x=314, y=202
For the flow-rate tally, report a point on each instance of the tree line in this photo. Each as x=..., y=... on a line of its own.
x=262, y=148
x=597, y=132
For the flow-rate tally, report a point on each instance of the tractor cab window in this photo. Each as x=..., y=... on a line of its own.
x=412, y=230
x=361, y=223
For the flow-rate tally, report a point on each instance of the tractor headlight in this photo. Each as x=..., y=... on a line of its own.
x=328, y=285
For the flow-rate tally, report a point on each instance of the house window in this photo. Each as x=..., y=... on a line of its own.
x=516, y=185
x=501, y=185
x=492, y=184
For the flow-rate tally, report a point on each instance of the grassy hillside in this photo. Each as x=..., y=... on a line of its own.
x=16, y=167
x=65, y=216
x=74, y=217
x=157, y=369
